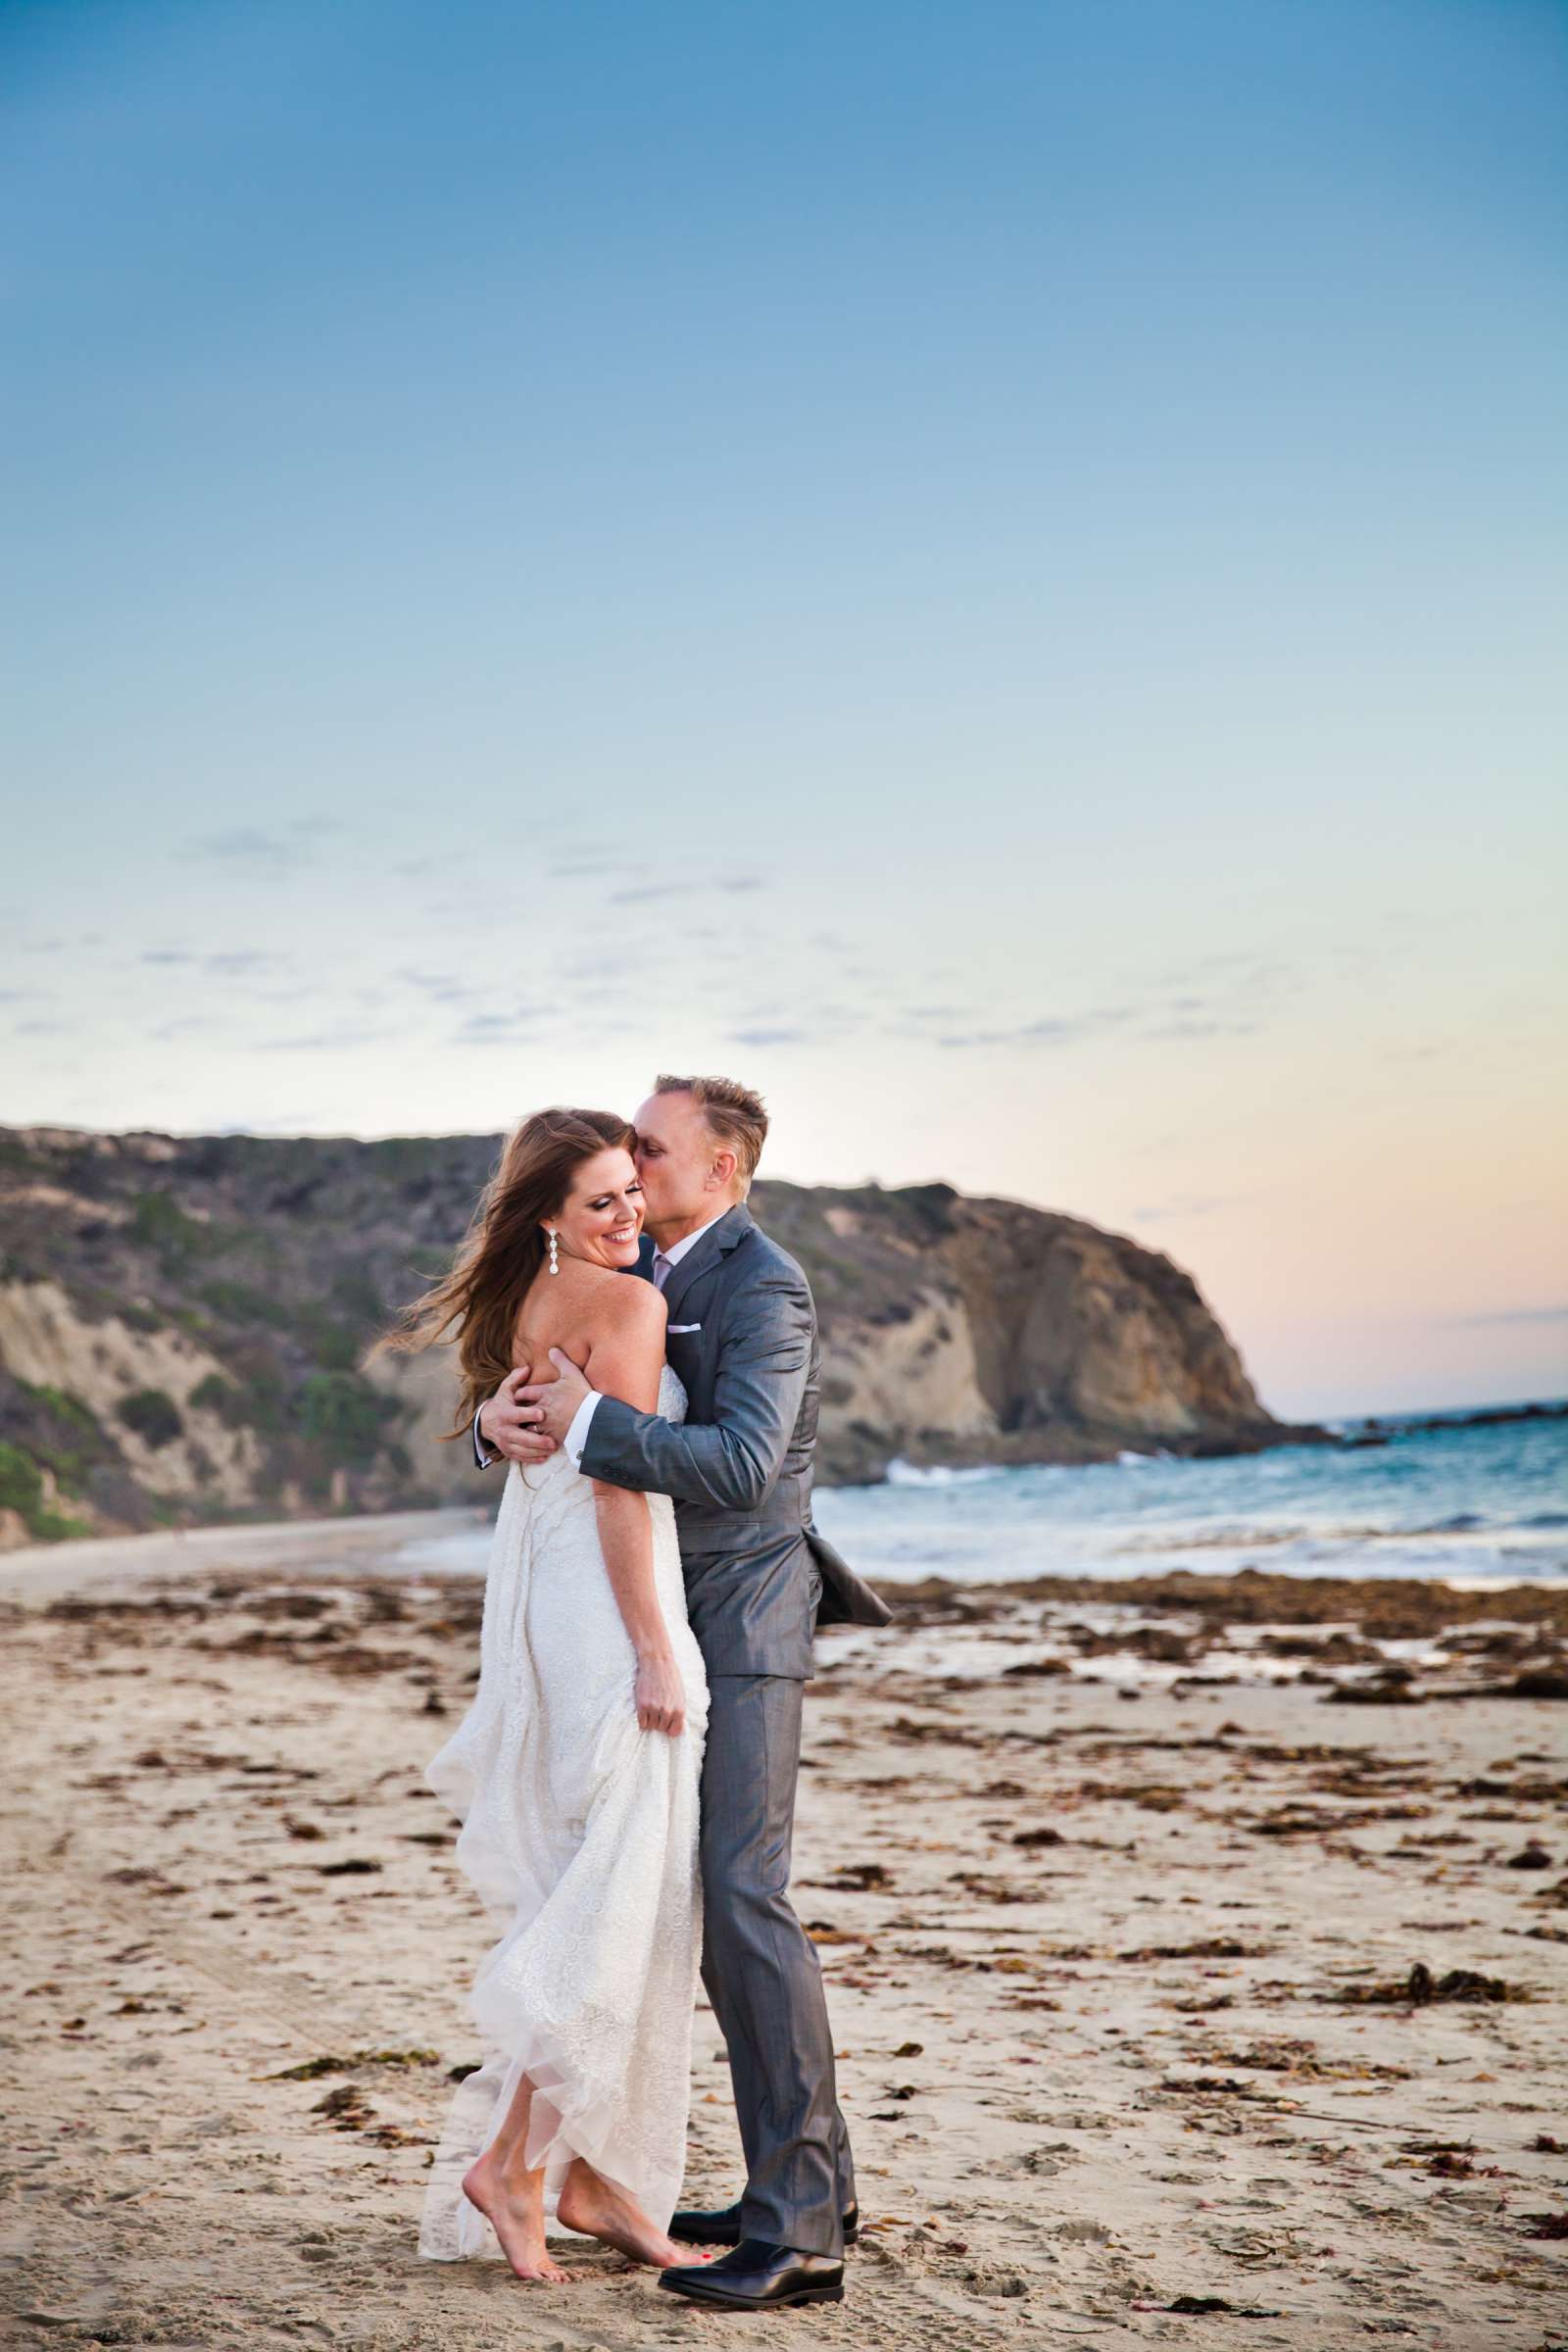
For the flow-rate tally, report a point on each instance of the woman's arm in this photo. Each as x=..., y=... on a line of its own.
x=624, y=1359
x=731, y=1461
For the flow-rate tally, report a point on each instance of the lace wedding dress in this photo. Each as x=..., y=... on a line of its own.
x=579, y=1833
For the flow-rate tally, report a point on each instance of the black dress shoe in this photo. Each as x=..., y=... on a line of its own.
x=724, y=2228
x=759, y=2276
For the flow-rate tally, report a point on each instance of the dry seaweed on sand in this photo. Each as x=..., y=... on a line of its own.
x=1420, y=1988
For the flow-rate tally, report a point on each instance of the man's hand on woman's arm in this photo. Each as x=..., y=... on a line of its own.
x=510, y=1428
x=555, y=1403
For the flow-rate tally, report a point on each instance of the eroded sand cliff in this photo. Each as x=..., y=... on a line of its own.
x=184, y=1321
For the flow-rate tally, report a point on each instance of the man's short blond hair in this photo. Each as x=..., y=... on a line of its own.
x=735, y=1117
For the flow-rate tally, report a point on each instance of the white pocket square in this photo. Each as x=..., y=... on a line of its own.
x=673, y=1328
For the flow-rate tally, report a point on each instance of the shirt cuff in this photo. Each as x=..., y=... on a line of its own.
x=482, y=1455
x=578, y=1434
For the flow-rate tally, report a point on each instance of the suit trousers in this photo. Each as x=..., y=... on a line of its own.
x=761, y=1972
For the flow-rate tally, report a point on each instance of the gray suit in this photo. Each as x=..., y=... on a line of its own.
x=742, y=1334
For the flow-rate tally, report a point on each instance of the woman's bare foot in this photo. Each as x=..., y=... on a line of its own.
x=513, y=2206
x=594, y=2206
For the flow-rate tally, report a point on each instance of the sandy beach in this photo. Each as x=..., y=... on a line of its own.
x=1197, y=1954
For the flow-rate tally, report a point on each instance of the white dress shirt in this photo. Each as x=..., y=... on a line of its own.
x=664, y=1263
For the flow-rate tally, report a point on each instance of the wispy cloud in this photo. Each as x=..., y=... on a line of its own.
x=1070, y=1031
x=1185, y=1029
x=224, y=963
x=190, y=1024
x=238, y=963
x=253, y=850
x=1509, y=1314
x=1183, y=1207
x=1246, y=970
x=1181, y=1018
x=419, y=869
x=342, y=1040
x=575, y=863
x=728, y=886
x=496, y=1028
x=442, y=988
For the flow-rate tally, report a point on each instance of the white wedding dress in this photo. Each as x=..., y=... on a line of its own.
x=579, y=1833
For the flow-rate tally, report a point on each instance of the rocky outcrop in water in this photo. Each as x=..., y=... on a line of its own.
x=183, y=1325
x=966, y=1330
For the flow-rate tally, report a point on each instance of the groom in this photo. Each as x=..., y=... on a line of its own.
x=742, y=1334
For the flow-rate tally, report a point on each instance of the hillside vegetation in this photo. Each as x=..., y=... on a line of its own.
x=184, y=1323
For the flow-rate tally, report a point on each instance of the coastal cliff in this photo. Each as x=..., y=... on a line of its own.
x=184, y=1321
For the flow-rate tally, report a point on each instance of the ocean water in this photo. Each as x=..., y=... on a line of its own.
x=1470, y=1504
x=1485, y=1504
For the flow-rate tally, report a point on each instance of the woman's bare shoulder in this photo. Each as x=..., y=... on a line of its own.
x=625, y=1302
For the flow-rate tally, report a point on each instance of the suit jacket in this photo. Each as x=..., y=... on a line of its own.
x=742, y=1334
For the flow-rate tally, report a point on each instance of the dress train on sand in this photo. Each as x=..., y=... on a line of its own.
x=580, y=1836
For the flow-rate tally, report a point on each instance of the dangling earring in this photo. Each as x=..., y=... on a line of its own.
x=554, y=1252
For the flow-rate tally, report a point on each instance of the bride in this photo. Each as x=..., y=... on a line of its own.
x=575, y=1770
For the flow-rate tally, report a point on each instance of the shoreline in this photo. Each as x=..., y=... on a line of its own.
x=1038, y=1520
x=947, y=1464
x=368, y=1542
x=332, y=1546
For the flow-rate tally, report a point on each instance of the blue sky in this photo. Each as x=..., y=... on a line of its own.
x=997, y=570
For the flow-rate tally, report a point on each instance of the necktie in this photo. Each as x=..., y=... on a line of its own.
x=661, y=1270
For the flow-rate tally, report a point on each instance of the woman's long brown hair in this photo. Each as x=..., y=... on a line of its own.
x=504, y=1249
